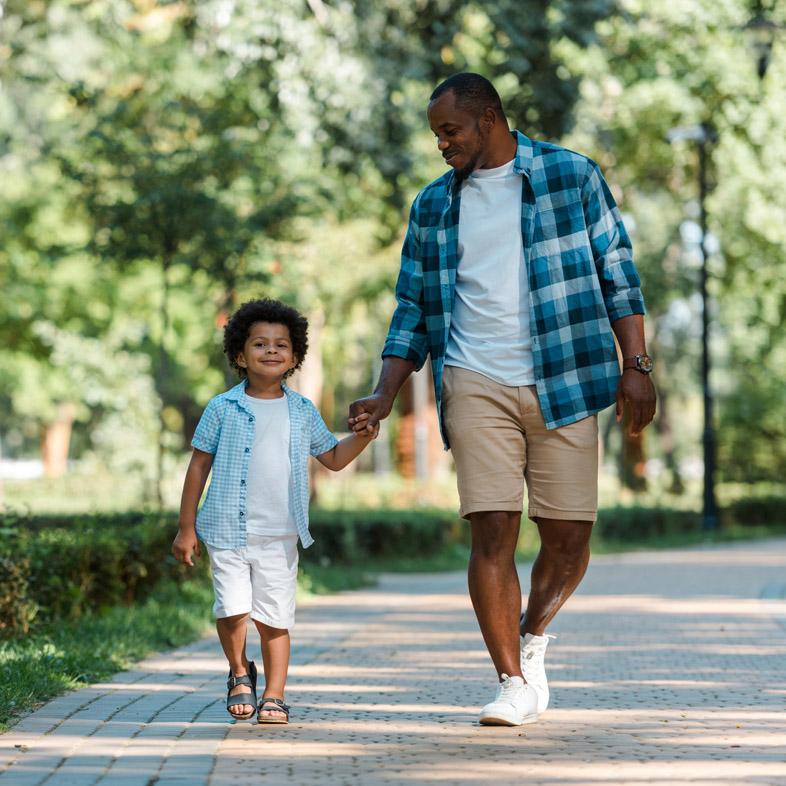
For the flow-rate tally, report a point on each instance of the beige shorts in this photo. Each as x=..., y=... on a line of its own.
x=499, y=439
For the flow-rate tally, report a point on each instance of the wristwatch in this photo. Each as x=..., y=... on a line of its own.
x=642, y=363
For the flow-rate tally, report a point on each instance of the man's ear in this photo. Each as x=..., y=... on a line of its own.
x=488, y=118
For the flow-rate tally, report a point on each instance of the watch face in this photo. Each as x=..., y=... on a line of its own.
x=644, y=362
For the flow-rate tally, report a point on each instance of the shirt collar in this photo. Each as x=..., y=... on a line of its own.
x=236, y=393
x=524, y=155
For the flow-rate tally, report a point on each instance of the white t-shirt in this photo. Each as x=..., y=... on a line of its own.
x=269, y=469
x=489, y=328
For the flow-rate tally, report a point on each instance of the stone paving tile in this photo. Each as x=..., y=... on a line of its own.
x=669, y=668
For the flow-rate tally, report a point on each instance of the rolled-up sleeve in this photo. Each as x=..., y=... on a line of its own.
x=611, y=249
x=208, y=429
x=407, y=336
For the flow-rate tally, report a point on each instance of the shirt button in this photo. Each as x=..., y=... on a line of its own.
x=248, y=450
x=242, y=482
x=242, y=514
x=251, y=420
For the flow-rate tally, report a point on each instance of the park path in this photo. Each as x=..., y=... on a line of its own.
x=669, y=668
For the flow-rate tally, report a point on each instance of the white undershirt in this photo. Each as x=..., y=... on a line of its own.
x=269, y=470
x=489, y=329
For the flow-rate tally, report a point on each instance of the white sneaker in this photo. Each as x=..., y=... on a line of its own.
x=516, y=703
x=533, y=651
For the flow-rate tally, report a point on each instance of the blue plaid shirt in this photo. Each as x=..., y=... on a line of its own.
x=580, y=270
x=226, y=429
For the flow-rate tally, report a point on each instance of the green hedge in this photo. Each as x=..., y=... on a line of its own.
x=757, y=511
x=632, y=524
x=60, y=567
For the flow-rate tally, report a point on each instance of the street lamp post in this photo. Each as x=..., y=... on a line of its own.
x=703, y=135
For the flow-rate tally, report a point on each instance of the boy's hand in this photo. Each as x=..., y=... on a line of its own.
x=184, y=544
x=362, y=428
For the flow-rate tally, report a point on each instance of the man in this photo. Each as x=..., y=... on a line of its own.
x=516, y=273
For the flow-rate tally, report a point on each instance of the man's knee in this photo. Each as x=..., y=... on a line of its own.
x=494, y=534
x=565, y=540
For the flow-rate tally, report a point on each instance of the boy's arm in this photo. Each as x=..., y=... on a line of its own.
x=186, y=540
x=348, y=448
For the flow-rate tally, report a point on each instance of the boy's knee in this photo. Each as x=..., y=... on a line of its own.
x=269, y=632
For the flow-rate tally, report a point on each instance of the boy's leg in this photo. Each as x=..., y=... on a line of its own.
x=275, y=657
x=232, y=586
x=274, y=562
x=232, y=635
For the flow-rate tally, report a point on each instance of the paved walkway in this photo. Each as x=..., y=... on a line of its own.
x=670, y=668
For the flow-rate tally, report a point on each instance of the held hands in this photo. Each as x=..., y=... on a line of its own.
x=184, y=544
x=636, y=391
x=365, y=414
x=363, y=429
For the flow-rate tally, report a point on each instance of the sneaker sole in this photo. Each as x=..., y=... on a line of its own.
x=498, y=719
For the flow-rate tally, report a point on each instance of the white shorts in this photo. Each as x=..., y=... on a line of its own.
x=259, y=579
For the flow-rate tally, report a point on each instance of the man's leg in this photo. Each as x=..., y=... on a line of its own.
x=560, y=566
x=494, y=586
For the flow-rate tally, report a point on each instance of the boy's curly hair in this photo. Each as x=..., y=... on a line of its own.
x=265, y=310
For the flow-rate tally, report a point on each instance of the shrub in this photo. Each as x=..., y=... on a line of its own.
x=637, y=524
x=61, y=567
x=758, y=511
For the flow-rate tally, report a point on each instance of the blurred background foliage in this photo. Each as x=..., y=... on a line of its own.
x=162, y=162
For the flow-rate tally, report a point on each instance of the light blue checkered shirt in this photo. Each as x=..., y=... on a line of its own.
x=226, y=429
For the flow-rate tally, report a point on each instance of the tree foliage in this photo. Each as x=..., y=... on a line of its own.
x=162, y=161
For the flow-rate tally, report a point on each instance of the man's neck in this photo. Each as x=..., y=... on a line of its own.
x=501, y=151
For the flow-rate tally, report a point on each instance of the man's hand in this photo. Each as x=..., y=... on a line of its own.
x=186, y=543
x=636, y=391
x=376, y=407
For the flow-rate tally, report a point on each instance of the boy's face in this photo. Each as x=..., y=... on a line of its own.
x=267, y=353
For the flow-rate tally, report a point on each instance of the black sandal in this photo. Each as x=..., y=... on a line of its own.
x=246, y=697
x=279, y=706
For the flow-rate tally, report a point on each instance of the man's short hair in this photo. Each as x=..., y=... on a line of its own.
x=474, y=93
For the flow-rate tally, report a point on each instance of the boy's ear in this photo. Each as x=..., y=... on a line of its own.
x=240, y=360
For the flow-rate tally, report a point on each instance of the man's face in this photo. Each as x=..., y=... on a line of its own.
x=460, y=136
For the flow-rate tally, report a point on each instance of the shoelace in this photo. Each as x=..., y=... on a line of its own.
x=506, y=690
x=535, y=653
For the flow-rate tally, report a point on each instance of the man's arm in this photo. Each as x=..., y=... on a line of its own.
x=620, y=284
x=635, y=389
x=394, y=374
x=406, y=346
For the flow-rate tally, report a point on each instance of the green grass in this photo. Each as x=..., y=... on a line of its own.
x=57, y=658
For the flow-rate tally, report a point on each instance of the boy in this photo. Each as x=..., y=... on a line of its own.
x=257, y=438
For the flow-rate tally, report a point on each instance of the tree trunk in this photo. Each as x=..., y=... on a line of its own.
x=666, y=438
x=162, y=374
x=55, y=442
x=633, y=458
x=307, y=381
x=418, y=447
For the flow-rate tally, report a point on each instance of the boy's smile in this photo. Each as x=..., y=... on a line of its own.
x=267, y=353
